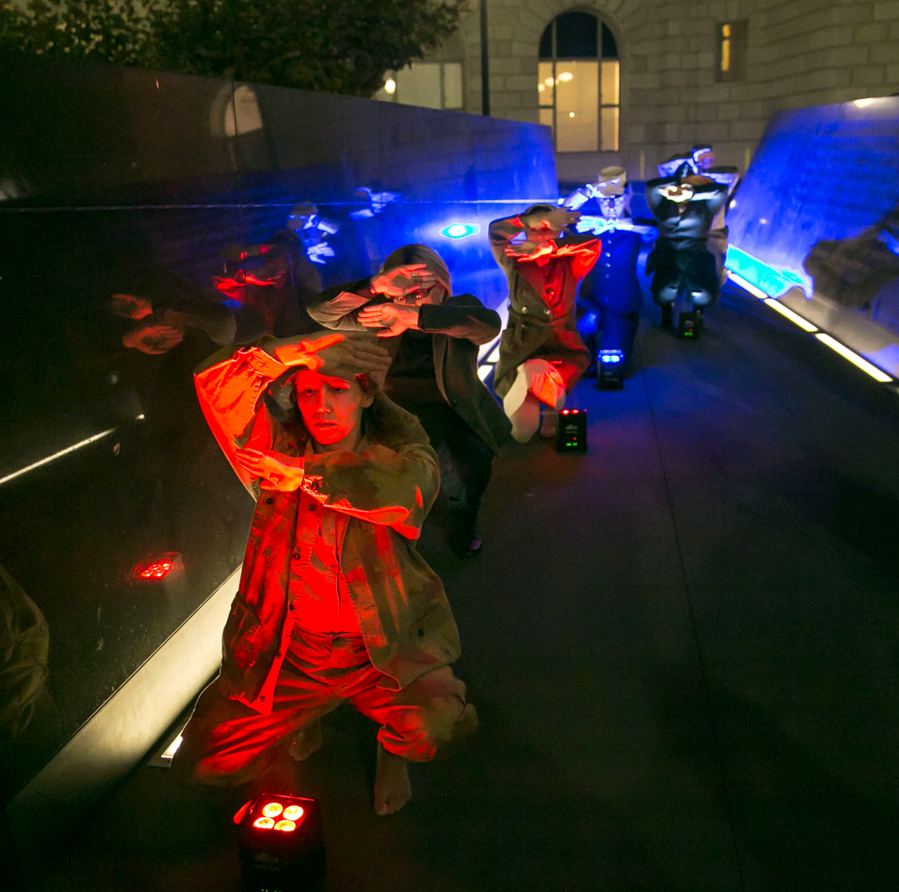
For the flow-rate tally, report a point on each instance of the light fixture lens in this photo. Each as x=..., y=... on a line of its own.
x=285, y=826
x=390, y=86
x=272, y=809
x=264, y=823
x=293, y=812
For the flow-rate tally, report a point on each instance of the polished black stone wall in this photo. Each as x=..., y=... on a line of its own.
x=146, y=220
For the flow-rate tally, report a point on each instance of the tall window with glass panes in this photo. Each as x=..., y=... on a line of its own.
x=578, y=84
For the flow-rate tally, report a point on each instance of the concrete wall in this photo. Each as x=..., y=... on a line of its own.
x=800, y=52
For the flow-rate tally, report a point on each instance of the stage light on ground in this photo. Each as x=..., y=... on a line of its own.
x=280, y=843
x=867, y=367
x=789, y=314
x=610, y=369
x=571, y=431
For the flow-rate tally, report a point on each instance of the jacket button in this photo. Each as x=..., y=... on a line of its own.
x=524, y=309
x=296, y=555
x=262, y=697
x=313, y=506
x=269, y=500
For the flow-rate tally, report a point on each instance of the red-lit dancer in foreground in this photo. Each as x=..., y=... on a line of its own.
x=541, y=354
x=334, y=603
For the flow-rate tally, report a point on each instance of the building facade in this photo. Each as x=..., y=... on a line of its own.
x=649, y=78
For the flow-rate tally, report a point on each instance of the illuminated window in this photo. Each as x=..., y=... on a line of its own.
x=731, y=51
x=427, y=84
x=578, y=83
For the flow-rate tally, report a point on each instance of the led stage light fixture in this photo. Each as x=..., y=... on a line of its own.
x=571, y=433
x=611, y=369
x=281, y=844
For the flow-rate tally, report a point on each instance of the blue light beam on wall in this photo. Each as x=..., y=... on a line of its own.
x=460, y=230
x=774, y=282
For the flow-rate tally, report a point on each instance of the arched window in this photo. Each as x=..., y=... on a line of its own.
x=578, y=83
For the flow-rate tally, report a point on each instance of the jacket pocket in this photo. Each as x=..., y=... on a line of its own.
x=241, y=633
x=433, y=631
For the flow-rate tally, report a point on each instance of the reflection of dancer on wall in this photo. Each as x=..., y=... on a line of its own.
x=334, y=602
x=541, y=355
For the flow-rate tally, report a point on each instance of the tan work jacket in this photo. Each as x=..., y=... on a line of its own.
x=381, y=495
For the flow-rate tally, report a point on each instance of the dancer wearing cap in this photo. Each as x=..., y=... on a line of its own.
x=334, y=602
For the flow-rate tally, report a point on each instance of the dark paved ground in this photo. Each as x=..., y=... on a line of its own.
x=684, y=647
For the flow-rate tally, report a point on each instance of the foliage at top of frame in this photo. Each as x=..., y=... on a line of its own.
x=337, y=46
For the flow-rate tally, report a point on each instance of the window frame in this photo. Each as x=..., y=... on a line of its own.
x=599, y=58
x=731, y=46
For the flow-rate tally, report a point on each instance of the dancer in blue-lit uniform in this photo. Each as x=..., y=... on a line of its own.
x=610, y=295
x=685, y=205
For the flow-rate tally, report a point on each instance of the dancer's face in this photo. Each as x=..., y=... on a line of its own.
x=331, y=409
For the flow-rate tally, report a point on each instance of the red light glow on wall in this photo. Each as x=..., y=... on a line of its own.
x=156, y=567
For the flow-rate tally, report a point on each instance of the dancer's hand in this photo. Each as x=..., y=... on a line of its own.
x=390, y=319
x=402, y=280
x=275, y=471
x=342, y=355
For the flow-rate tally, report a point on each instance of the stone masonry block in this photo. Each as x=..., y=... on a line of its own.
x=500, y=64
x=868, y=75
x=853, y=13
x=883, y=53
x=865, y=34
x=747, y=129
x=886, y=11
x=525, y=82
x=726, y=111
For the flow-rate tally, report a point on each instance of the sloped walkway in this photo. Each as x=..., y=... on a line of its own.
x=684, y=648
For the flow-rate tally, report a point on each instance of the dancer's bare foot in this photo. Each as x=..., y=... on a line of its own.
x=392, y=787
x=307, y=741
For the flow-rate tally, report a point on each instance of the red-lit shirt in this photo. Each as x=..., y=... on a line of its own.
x=322, y=604
x=316, y=594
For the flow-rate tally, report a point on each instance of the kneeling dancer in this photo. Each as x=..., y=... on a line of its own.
x=541, y=354
x=334, y=602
